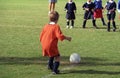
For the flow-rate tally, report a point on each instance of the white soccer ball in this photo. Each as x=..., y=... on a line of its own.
x=74, y=58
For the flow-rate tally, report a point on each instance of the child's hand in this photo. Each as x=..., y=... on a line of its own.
x=66, y=10
x=92, y=10
x=87, y=9
x=112, y=10
x=68, y=38
x=75, y=11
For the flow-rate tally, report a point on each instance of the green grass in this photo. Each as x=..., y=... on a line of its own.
x=20, y=51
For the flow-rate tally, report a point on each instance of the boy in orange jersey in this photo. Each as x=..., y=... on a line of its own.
x=49, y=37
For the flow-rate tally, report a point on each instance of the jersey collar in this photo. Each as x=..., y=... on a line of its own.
x=52, y=23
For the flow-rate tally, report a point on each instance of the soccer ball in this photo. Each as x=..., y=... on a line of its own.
x=74, y=58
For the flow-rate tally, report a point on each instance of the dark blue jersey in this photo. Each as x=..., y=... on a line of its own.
x=110, y=5
x=90, y=6
x=88, y=13
x=98, y=4
x=70, y=7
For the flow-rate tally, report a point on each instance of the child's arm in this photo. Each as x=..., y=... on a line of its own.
x=105, y=7
x=84, y=7
x=75, y=8
x=60, y=36
x=66, y=7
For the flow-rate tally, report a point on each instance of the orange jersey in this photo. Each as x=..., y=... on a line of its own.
x=49, y=37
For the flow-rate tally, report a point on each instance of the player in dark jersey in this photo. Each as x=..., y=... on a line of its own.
x=70, y=9
x=111, y=8
x=89, y=9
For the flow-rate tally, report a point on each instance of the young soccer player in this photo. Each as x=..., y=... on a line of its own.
x=89, y=9
x=70, y=8
x=118, y=8
x=52, y=5
x=49, y=37
x=98, y=11
x=111, y=8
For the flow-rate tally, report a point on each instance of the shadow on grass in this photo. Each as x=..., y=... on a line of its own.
x=86, y=61
x=87, y=27
x=92, y=72
x=22, y=60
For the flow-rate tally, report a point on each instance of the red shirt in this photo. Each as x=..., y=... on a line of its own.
x=49, y=39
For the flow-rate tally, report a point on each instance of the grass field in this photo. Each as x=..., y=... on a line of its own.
x=20, y=51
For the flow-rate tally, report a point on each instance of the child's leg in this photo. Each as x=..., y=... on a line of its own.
x=50, y=63
x=108, y=29
x=113, y=22
x=102, y=19
x=56, y=65
x=114, y=25
x=50, y=7
x=108, y=24
x=68, y=22
x=53, y=6
x=84, y=23
x=94, y=23
x=72, y=23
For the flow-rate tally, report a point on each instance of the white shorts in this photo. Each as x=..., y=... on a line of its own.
x=53, y=1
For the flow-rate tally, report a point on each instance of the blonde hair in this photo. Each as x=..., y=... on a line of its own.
x=54, y=16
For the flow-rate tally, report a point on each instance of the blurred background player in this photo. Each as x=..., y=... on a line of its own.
x=52, y=5
x=111, y=8
x=49, y=37
x=70, y=9
x=89, y=9
x=118, y=8
x=98, y=13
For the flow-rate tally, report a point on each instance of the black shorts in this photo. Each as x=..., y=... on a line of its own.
x=54, y=1
x=111, y=16
x=70, y=15
x=88, y=15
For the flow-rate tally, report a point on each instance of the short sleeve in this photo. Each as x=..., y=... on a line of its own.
x=59, y=34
